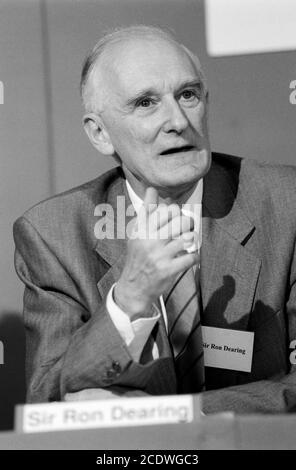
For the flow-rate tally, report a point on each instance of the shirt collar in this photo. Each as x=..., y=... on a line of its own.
x=195, y=197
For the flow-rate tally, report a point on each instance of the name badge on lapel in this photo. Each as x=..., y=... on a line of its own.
x=227, y=349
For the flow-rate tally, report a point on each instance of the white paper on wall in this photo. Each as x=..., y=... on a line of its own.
x=250, y=26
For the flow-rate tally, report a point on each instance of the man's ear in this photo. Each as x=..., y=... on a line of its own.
x=98, y=134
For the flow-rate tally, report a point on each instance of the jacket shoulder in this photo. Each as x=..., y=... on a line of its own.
x=71, y=206
x=261, y=174
x=238, y=165
x=261, y=186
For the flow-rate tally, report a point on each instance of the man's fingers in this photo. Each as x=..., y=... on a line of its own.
x=187, y=241
x=175, y=227
x=163, y=215
x=151, y=200
x=184, y=262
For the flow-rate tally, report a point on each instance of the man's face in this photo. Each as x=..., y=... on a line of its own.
x=154, y=111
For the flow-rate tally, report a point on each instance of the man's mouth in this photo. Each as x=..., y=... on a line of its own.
x=185, y=148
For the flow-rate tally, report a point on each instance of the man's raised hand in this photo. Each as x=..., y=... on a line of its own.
x=155, y=255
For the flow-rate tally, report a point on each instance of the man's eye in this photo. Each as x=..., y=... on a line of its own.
x=144, y=103
x=188, y=95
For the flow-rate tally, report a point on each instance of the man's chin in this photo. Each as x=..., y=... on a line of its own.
x=184, y=179
x=174, y=187
x=191, y=171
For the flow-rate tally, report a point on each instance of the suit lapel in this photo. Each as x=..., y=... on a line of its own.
x=112, y=248
x=229, y=270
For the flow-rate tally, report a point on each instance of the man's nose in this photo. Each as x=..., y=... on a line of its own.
x=175, y=118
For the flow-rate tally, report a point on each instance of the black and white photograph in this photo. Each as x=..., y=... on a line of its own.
x=148, y=228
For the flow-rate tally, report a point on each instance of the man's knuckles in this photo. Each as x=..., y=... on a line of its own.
x=175, y=227
x=163, y=215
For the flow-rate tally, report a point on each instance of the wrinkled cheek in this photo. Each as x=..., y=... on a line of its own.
x=148, y=131
x=123, y=136
x=133, y=134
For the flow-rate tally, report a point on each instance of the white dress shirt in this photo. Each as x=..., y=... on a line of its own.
x=135, y=333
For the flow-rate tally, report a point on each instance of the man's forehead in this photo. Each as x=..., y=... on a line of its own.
x=145, y=50
x=128, y=67
x=147, y=62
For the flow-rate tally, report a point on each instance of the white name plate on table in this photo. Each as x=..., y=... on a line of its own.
x=140, y=411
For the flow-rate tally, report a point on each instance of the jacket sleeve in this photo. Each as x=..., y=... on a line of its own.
x=68, y=348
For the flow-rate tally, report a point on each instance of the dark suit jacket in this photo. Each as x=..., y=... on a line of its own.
x=248, y=273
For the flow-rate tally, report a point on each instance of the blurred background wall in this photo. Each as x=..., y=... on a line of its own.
x=43, y=148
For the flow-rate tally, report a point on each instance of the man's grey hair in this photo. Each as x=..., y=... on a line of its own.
x=118, y=35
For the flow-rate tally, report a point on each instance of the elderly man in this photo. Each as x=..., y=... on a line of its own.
x=199, y=295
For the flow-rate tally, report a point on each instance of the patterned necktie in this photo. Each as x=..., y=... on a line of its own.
x=184, y=332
